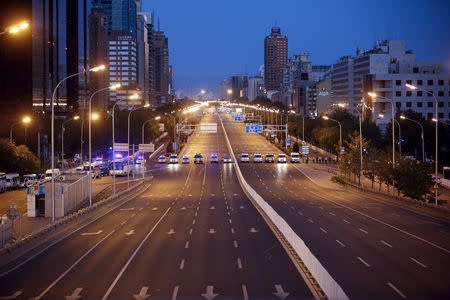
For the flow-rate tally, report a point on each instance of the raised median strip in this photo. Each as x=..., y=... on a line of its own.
x=322, y=285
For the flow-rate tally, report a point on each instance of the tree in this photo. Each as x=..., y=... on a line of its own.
x=295, y=147
x=372, y=164
x=413, y=178
x=351, y=160
x=17, y=159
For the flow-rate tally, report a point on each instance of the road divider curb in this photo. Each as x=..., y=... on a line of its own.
x=322, y=285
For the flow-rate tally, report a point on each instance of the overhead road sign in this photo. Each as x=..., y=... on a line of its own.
x=147, y=147
x=305, y=149
x=253, y=128
x=121, y=147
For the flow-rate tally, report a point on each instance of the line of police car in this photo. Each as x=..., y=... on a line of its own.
x=244, y=158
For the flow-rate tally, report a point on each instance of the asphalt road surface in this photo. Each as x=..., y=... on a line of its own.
x=373, y=249
x=191, y=235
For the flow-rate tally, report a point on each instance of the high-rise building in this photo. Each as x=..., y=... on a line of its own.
x=59, y=49
x=98, y=45
x=122, y=61
x=121, y=14
x=143, y=55
x=161, y=70
x=255, y=87
x=275, y=59
x=239, y=86
x=385, y=69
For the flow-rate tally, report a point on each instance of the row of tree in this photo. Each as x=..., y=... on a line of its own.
x=17, y=159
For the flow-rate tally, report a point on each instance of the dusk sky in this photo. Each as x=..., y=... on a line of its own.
x=210, y=40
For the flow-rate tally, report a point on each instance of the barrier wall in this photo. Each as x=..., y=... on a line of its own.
x=6, y=231
x=328, y=285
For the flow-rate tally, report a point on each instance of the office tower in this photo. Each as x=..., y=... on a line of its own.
x=120, y=14
x=275, y=59
x=161, y=71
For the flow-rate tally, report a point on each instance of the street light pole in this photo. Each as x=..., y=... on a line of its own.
x=340, y=131
x=399, y=138
x=421, y=134
x=53, y=132
x=436, y=165
x=128, y=156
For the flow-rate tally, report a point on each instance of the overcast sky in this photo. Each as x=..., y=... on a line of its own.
x=210, y=40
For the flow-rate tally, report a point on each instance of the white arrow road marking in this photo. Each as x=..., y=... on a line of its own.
x=244, y=292
x=209, y=293
x=75, y=295
x=142, y=294
x=92, y=233
x=13, y=296
x=280, y=293
x=212, y=207
x=175, y=292
x=131, y=208
x=253, y=230
x=171, y=231
x=130, y=232
x=212, y=230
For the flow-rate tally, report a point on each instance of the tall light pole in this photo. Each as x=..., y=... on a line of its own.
x=412, y=87
x=128, y=156
x=63, y=129
x=421, y=134
x=16, y=28
x=143, y=126
x=95, y=69
x=112, y=87
x=340, y=132
x=399, y=135
x=132, y=97
x=25, y=120
x=373, y=95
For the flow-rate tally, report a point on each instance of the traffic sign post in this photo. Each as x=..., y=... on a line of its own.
x=305, y=150
x=147, y=147
x=288, y=142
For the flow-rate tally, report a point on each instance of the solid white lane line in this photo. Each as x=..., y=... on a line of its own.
x=396, y=290
x=362, y=230
x=239, y=263
x=133, y=255
x=346, y=221
x=323, y=230
x=340, y=243
x=363, y=261
x=186, y=245
x=175, y=292
x=73, y=265
x=386, y=243
x=182, y=264
x=235, y=244
x=244, y=292
x=418, y=262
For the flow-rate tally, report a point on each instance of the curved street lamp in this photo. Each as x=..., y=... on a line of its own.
x=63, y=129
x=412, y=87
x=25, y=120
x=421, y=135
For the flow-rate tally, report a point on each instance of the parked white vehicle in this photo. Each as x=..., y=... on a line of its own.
x=48, y=173
x=12, y=181
x=29, y=179
x=281, y=158
x=2, y=182
x=121, y=167
x=257, y=158
x=173, y=159
x=295, y=157
x=245, y=157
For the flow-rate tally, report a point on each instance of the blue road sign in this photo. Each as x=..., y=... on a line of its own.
x=288, y=142
x=253, y=128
